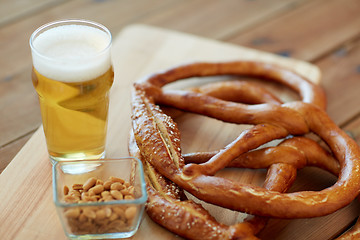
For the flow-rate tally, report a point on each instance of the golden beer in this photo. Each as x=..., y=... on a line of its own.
x=72, y=75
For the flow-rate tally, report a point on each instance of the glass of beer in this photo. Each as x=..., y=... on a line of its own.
x=72, y=74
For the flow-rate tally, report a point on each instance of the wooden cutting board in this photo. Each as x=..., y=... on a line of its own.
x=26, y=207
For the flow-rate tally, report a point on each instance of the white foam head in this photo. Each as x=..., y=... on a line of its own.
x=72, y=53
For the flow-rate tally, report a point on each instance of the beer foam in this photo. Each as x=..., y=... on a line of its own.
x=72, y=53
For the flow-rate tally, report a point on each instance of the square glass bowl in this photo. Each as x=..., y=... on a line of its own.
x=89, y=211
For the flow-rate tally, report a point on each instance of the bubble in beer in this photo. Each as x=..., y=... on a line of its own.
x=72, y=53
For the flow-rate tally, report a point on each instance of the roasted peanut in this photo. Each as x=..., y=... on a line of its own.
x=104, y=219
x=113, y=216
x=72, y=213
x=107, y=185
x=105, y=193
x=125, y=191
x=129, y=197
x=120, y=211
x=74, y=193
x=117, y=224
x=89, y=213
x=108, y=212
x=99, y=182
x=130, y=212
x=96, y=189
x=108, y=198
x=89, y=183
x=90, y=199
x=71, y=199
x=77, y=186
x=82, y=218
x=116, y=194
x=66, y=190
x=84, y=194
x=100, y=214
x=116, y=179
x=117, y=186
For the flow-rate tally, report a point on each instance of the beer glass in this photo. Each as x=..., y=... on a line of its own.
x=72, y=74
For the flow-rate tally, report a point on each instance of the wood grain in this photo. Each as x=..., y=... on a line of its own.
x=11, y=149
x=219, y=19
x=32, y=214
x=341, y=74
x=12, y=10
x=328, y=24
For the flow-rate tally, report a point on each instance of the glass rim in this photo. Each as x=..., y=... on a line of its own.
x=137, y=201
x=84, y=22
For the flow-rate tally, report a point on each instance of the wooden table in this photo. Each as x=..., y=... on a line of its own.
x=325, y=33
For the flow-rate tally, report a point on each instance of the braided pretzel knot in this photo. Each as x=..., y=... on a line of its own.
x=158, y=145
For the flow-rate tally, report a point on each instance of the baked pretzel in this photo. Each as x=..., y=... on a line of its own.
x=159, y=143
x=166, y=196
x=182, y=217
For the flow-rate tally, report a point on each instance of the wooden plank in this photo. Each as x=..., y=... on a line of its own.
x=32, y=213
x=8, y=152
x=307, y=32
x=12, y=10
x=341, y=81
x=21, y=113
x=219, y=19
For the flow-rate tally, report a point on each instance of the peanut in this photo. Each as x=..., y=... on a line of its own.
x=74, y=193
x=89, y=213
x=105, y=193
x=108, y=198
x=77, y=186
x=116, y=194
x=97, y=189
x=107, y=185
x=130, y=212
x=66, y=190
x=125, y=192
x=100, y=214
x=99, y=182
x=120, y=211
x=72, y=213
x=82, y=218
x=113, y=216
x=89, y=183
x=129, y=197
x=108, y=212
x=116, y=179
x=71, y=199
x=104, y=219
x=117, y=186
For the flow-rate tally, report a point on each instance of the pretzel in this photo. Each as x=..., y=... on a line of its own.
x=164, y=204
x=157, y=138
x=165, y=195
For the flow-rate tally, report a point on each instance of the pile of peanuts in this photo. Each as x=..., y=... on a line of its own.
x=100, y=219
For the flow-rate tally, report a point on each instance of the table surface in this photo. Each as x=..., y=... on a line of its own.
x=325, y=33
